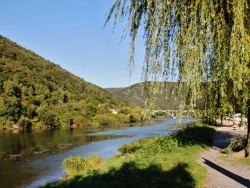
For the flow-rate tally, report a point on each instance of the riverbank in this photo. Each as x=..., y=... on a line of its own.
x=153, y=162
x=32, y=169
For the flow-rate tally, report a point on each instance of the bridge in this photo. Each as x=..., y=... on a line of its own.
x=175, y=113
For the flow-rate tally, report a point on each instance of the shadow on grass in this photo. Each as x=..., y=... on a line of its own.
x=130, y=176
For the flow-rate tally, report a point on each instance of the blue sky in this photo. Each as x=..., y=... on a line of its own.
x=72, y=35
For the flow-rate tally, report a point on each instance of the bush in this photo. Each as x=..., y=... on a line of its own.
x=80, y=120
x=94, y=123
x=105, y=119
x=4, y=122
x=193, y=135
x=135, y=118
x=129, y=148
x=155, y=144
x=138, y=110
x=50, y=119
x=126, y=110
x=122, y=118
x=24, y=122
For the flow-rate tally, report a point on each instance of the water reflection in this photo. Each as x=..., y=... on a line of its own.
x=40, y=154
x=25, y=145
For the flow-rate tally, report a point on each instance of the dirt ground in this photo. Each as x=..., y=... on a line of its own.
x=225, y=170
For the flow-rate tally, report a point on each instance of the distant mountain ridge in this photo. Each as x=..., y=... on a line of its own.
x=134, y=95
x=35, y=91
x=115, y=90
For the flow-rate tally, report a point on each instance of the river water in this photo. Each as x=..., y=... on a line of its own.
x=32, y=159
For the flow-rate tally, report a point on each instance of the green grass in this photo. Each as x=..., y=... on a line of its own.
x=245, y=161
x=153, y=162
x=75, y=165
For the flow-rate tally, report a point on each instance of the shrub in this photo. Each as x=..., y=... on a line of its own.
x=122, y=118
x=24, y=122
x=105, y=119
x=135, y=118
x=80, y=120
x=129, y=148
x=137, y=110
x=193, y=135
x=94, y=123
x=126, y=110
x=90, y=110
x=154, y=144
x=50, y=119
x=4, y=122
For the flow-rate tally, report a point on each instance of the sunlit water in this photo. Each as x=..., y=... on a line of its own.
x=32, y=159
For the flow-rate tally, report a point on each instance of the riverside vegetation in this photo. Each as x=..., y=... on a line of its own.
x=165, y=161
x=36, y=93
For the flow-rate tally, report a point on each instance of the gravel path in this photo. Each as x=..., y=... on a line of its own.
x=225, y=173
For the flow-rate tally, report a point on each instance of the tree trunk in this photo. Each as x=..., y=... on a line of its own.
x=247, y=150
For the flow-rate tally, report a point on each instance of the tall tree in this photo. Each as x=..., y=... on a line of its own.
x=205, y=45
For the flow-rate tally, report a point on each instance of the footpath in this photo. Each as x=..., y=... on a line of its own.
x=225, y=170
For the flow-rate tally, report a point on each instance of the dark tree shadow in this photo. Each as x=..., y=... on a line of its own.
x=227, y=173
x=129, y=176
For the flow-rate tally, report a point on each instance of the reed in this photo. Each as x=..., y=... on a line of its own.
x=78, y=164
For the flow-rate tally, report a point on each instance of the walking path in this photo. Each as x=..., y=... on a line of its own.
x=225, y=171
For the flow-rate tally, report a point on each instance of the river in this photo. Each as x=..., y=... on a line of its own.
x=32, y=159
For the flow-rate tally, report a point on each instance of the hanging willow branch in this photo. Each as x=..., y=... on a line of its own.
x=204, y=45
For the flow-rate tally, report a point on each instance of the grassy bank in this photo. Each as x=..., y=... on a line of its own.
x=152, y=162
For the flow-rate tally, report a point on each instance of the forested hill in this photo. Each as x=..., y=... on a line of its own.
x=37, y=92
x=135, y=95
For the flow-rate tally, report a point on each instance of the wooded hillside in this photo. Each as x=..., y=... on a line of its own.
x=37, y=92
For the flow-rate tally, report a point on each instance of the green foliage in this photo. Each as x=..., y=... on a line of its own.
x=67, y=119
x=126, y=110
x=80, y=120
x=123, y=118
x=135, y=118
x=4, y=122
x=90, y=110
x=49, y=119
x=24, y=123
x=130, y=148
x=104, y=119
x=195, y=134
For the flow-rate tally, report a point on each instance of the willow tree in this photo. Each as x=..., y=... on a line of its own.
x=204, y=45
